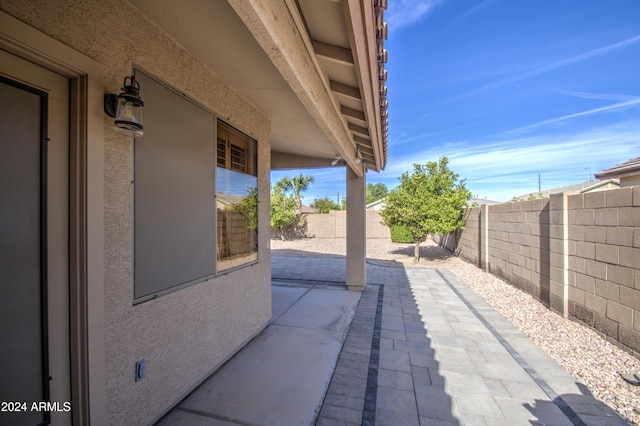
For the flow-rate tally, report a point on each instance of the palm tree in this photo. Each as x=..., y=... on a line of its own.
x=296, y=185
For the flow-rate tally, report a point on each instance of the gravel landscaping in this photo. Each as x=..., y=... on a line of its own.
x=591, y=359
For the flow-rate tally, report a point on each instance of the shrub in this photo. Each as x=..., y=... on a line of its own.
x=400, y=234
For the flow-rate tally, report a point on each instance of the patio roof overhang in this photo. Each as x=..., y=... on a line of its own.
x=314, y=67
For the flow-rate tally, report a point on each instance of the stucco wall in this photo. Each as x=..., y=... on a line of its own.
x=185, y=335
x=630, y=180
x=578, y=254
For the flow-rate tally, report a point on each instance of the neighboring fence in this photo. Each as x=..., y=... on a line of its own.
x=578, y=254
x=233, y=237
x=334, y=225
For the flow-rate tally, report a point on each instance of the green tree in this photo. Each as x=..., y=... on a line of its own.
x=296, y=186
x=283, y=210
x=375, y=192
x=429, y=201
x=324, y=205
x=248, y=207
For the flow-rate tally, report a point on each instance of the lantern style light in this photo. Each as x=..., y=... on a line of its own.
x=126, y=108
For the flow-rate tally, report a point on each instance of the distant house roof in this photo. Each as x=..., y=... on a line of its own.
x=376, y=205
x=547, y=192
x=481, y=201
x=610, y=183
x=630, y=167
x=309, y=210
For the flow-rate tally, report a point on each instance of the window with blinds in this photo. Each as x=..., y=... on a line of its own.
x=236, y=151
x=237, y=198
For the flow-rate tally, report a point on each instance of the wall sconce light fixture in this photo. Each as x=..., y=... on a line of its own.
x=126, y=108
x=336, y=160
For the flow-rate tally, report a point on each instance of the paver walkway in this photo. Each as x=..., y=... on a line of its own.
x=421, y=349
x=424, y=349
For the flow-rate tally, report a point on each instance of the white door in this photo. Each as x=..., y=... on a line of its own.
x=34, y=242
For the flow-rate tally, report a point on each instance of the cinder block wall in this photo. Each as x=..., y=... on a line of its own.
x=467, y=243
x=334, y=225
x=233, y=238
x=577, y=254
x=518, y=245
x=604, y=262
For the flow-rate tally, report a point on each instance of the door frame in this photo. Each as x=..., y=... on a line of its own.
x=86, y=209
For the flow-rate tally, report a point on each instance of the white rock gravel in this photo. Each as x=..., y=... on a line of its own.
x=590, y=358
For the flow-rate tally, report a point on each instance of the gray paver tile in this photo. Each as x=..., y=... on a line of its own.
x=393, y=334
x=477, y=403
x=408, y=345
x=434, y=403
x=393, y=323
x=456, y=383
x=436, y=377
x=395, y=379
x=496, y=388
x=349, y=386
x=391, y=417
x=421, y=359
x=495, y=371
x=361, y=371
x=386, y=343
x=427, y=421
x=515, y=410
x=357, y=349
x=547, y=413
x=420, y=375
x=395, y=360
x=396, y=400
x=602, y=420
x=526, y=391
x=325, y=421
x=355, y=357
x=340, y=413
x=418, y=337
x=345, y=401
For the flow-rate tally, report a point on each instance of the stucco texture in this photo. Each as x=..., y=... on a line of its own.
x=187, y=334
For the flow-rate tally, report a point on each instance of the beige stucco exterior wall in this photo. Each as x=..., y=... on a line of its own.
x=630, y=180
x=187, y=334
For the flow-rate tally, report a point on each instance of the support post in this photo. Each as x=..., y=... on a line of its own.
x=356, y=231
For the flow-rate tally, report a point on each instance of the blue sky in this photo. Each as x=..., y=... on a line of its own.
x=508, y=90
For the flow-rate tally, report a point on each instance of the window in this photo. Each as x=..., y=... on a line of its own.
x=195, y=194
x=236, y=198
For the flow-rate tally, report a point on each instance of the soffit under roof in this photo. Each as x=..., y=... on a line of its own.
x=213, y=32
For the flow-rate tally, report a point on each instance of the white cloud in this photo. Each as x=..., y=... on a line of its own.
x=505, y=168
x=547, y=68
x=620, y=105
x=401, y=13
x=601, y=96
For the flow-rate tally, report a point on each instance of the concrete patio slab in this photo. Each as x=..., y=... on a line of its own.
x=281, y=376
